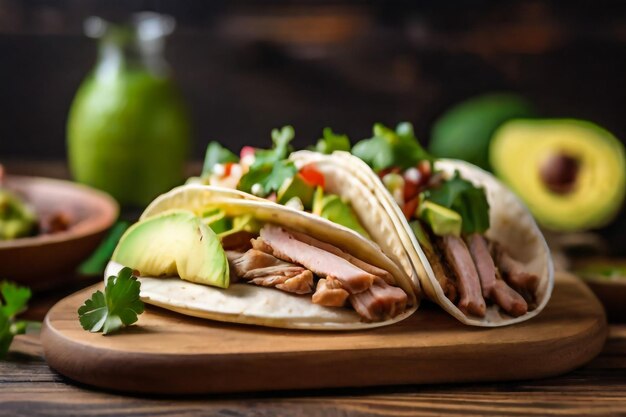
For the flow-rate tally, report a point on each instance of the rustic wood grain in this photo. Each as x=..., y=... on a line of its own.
x=30, y=388
x=170, y=353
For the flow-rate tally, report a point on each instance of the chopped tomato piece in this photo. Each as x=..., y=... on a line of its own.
x=425, y=169
x=408, y=209
x=411, y=189
x=312, y=175
x=246, y=151
x=394, y=170
x=228, y=166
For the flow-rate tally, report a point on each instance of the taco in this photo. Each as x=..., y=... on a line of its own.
x=475, y=248
x=225, y=255
x=312, y=182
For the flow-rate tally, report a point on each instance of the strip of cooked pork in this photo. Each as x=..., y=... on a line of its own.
x=493, y=287
x=283, y=245
x=329, y=293
x=460, y=260
x=263, y=269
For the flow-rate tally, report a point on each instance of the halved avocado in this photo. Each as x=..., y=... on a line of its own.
x=174, y=243
x=570, y=173
x=464, y=131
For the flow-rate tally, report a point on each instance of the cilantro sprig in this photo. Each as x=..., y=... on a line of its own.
x=216, y=154
x=466, y=199
x=117, y=307
x=14, y=301
x=331, y=142
x=270, y=167
x=391, y=148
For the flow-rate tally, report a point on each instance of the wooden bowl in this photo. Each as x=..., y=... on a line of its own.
x=610, y=290
x=46, y=260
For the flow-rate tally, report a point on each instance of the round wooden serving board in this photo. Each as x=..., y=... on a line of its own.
x=171, y=353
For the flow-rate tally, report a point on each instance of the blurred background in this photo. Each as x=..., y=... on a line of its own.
x=245, y=67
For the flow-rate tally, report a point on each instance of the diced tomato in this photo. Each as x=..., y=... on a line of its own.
x=408, y=209
x=390, y=170
x=312, y=176
x=411, y=189
x=228, y=166
x=425, y=169
x=245, y=151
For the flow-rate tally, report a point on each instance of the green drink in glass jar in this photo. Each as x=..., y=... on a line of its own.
x=128, y=130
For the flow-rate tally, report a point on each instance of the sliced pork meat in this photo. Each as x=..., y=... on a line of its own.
x=441, y=274
x=484, y=264
x=381, y=302
x=492, y=285
x=284, y=245
x=265, y=270
x=374, y=270
x=329, y=293
x=513, y=271
x=459, y=258
x=239, y=241
x=508, y=299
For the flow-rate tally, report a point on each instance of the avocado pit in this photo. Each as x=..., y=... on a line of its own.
x=559, y=172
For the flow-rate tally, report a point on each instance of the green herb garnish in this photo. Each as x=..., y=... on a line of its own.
x=216, y=154
x=14, y=301
x=466, y=199
x=270, y=167
x=331, y=142
x=116, y=308
x=389, y=148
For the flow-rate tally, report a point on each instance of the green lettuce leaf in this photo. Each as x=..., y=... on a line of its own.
x=466, y=199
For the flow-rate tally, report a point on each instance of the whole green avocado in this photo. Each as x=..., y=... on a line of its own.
x=465, y=131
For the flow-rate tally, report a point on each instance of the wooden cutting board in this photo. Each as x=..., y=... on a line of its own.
x=171, y=353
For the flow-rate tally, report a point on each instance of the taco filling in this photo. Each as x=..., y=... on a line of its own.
x=449, y=217
x=241, y=249
x=268, y=173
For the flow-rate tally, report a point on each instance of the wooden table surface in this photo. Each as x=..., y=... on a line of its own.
x=28, y=388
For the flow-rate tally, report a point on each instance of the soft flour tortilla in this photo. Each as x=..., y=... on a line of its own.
x=512, y=225
x=250, y=304
x=339, y=179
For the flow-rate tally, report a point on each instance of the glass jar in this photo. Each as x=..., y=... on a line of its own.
x=128, y=130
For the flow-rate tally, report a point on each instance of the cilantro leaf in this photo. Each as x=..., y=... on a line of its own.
x=117, y=307
x=466, y=199
x=331, y=142
x=14, y=300
x=389, y=148
x=270, y=178
x=216, y=154
x=280, y=139
x=270, y=169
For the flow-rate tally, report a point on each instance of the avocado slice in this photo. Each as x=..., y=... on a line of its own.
x=296, y=186
x=570, y=173
x=442, y=220
x=464, y=131
x=174, y=243
x=333, y=208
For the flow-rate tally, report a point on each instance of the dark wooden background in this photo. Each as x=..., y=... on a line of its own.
x=245, y=67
